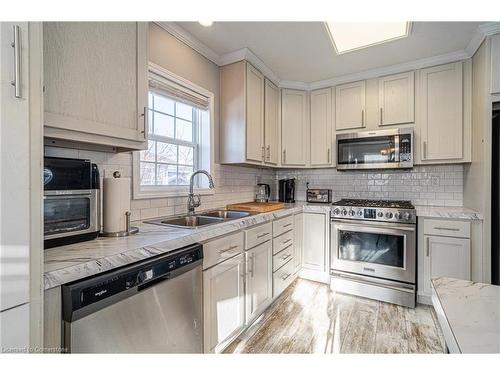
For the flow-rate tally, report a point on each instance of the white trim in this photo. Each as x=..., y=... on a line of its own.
x=188, y=39
x=178, y=32
x=177, y=191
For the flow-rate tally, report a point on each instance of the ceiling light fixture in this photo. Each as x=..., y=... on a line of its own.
x=351, y=36
x=206, y=23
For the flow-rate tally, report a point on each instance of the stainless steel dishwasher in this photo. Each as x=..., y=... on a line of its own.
x=154, y=306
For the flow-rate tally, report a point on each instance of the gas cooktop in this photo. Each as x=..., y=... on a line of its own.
x=374, y=210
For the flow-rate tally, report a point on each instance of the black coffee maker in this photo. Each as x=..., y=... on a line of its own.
x=287, y=190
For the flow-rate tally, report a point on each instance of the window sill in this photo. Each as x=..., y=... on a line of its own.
x=173, y=193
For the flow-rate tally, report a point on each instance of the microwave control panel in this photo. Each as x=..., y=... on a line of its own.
x=405, y=151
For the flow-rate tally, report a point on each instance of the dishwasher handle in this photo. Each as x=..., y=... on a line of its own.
x=85, y=297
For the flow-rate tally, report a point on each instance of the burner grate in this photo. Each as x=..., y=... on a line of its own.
x=375, y=203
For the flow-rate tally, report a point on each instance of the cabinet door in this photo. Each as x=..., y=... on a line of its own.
x=294, y=128
x=446, y=257
x=314, y=241
x=95, y=77
x=495, y=64
x=396, y=98
x=350, y=101
x=223, y=303
x=15, y=325
x=298, y=227
x=441, y=117
x=258, y=280
x=321, y=128
x=255, y=114
x=271, y=122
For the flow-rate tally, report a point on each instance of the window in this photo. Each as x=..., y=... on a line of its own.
x=179, y=137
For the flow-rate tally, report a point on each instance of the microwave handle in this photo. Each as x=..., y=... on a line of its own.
x=396, y=148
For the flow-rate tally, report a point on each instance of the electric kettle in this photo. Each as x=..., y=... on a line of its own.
x=263, y=193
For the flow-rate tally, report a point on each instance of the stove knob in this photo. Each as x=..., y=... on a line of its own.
x=380, y=214
x=360, y=213
x=388, y=215
x=336, y=211
x=352, y=213
x=398, y=216
x=344, y=212
x=406, y=216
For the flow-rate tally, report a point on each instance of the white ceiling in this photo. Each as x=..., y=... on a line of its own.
x=302, y=51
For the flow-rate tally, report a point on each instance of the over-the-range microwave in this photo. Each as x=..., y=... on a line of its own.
x=379, y=149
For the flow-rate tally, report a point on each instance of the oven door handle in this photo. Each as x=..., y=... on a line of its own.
x=373, y=228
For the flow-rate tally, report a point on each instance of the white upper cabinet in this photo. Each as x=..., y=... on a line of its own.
x=95, y=78
x=350, y=103
x=294, y=128
x=440, y=123
x=321, y=128
x=271, y=123
x=396, y=97
x=495, y=64
x=255, y=114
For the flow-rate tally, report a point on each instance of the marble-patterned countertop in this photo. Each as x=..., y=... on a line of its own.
x=69, y=263
x=469, y=314
x=444, y=212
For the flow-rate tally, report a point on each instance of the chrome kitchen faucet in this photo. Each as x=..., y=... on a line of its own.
x=194, y=200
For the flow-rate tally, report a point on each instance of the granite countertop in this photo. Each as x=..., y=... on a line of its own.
x=445, y=212
x=69, y=263
x=469, y=314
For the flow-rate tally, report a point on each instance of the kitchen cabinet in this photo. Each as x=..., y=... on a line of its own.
x=223, y=303
x=443, y=113
x=321, y=128
x=444, y=251
x=396, y=99
x=315, y=246
x=350, y=103
x=294, y=128
x=258, y=280
x=96, y=82
x=495, y=64
x=242, y=114
x=271, y=122
x=15, y=328
x=298, y=224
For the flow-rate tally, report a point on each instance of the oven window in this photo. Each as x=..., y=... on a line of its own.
x=385, y=249
x=366, y=150
x=66, y=215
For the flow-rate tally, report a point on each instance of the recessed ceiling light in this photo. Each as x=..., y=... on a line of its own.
x=206, y=23
x=350, y=36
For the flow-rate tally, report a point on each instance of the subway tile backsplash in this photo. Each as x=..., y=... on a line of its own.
x=440, y=185
x=435, y=185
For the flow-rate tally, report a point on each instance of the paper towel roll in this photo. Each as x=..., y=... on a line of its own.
x=116, y=201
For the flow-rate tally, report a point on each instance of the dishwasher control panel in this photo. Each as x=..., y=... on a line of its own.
x=139, y=276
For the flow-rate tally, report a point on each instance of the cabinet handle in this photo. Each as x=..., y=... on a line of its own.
x=286, y=241
x=381, y=119
x=285, y=257
x=251, y=265
x=263, y=153
x=145, y=130
x=444, y=228
x=262, y=235
x=427, y=249
x=287, y=225
x=16, y=44
x=362, y=117
x=284, y=156
x=284, y=277
x=425, y=149
x=268, y=153
x=228, y=249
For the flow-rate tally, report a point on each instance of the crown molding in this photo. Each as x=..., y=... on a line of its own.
x=188, y=39
x=480, y=34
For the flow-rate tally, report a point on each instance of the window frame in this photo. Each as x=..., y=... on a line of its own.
x=164, y=191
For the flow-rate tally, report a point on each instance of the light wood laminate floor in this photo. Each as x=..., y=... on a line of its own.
x=309, y=318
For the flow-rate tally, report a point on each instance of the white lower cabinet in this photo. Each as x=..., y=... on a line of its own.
x=315, y=241
x=258, y=294
x=223, y=303
x=14, y=333
x=440, y=255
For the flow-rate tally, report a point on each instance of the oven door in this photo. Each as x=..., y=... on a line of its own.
x=68, y=213
x=383, y=250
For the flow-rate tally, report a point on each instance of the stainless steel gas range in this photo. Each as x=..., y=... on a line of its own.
x=373, y=249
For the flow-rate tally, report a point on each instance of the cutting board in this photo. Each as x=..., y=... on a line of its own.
x=256, y=206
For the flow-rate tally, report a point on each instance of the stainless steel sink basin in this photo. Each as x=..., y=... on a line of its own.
x=226, y=214
x=195, y=221
x=200, y=220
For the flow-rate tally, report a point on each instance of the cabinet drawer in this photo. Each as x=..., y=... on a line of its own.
x=282, y=225
x=282, y=278
x=282, y=258
x=221, y=249
x=285, y=240
x=450, y=228
x=258, y=235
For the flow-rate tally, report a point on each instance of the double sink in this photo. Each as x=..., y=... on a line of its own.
x=202, y=219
